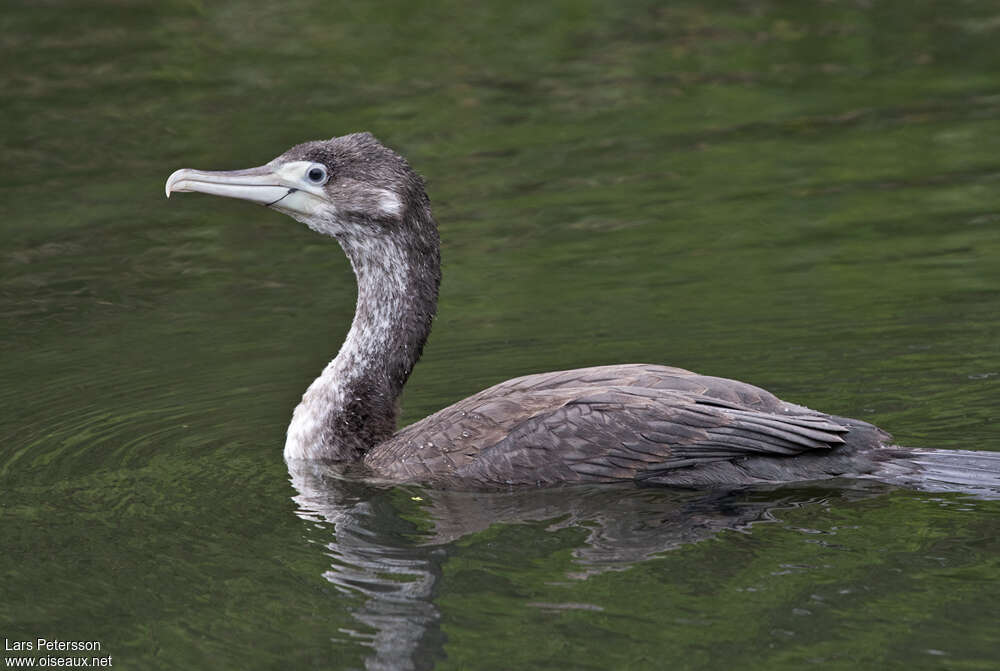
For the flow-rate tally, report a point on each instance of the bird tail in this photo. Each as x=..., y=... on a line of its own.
x=970, y=472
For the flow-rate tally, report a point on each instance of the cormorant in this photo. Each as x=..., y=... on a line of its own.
x=638, y=422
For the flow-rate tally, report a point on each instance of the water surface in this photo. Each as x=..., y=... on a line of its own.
x=805, y=196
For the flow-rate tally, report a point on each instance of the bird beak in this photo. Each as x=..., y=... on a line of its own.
x=258, y=185
x=279, y=186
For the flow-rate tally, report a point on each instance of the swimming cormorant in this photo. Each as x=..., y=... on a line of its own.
x=640, y=423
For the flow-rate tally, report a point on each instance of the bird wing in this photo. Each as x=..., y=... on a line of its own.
x=542, y=433
x=647, y=376
x=638, y=434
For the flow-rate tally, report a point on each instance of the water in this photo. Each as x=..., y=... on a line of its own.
x=800, y=195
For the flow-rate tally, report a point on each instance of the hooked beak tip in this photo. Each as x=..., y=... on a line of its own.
x=175, y=177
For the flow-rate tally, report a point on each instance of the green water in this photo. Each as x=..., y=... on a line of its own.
x=803, y=195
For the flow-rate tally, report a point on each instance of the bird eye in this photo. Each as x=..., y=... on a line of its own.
x=316, y=174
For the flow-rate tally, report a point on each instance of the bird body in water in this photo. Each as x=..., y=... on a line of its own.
x=637, y=423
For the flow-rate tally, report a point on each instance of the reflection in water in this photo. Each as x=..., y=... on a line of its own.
x=395, y=567
x=395, y=577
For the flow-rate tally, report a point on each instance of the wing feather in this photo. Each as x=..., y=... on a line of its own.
x=615, y=423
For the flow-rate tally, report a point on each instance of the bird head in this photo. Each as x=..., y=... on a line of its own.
x=345, y=187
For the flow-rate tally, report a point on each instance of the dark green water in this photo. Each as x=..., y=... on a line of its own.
x=803, y=195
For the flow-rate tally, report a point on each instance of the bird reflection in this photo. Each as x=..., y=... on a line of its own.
x=393, y=561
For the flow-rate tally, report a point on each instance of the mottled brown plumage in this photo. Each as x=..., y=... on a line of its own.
x=636, y=423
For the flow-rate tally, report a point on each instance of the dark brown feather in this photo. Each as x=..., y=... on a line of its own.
x=619, y=423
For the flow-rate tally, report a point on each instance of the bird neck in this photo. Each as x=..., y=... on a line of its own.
x=352, y=406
